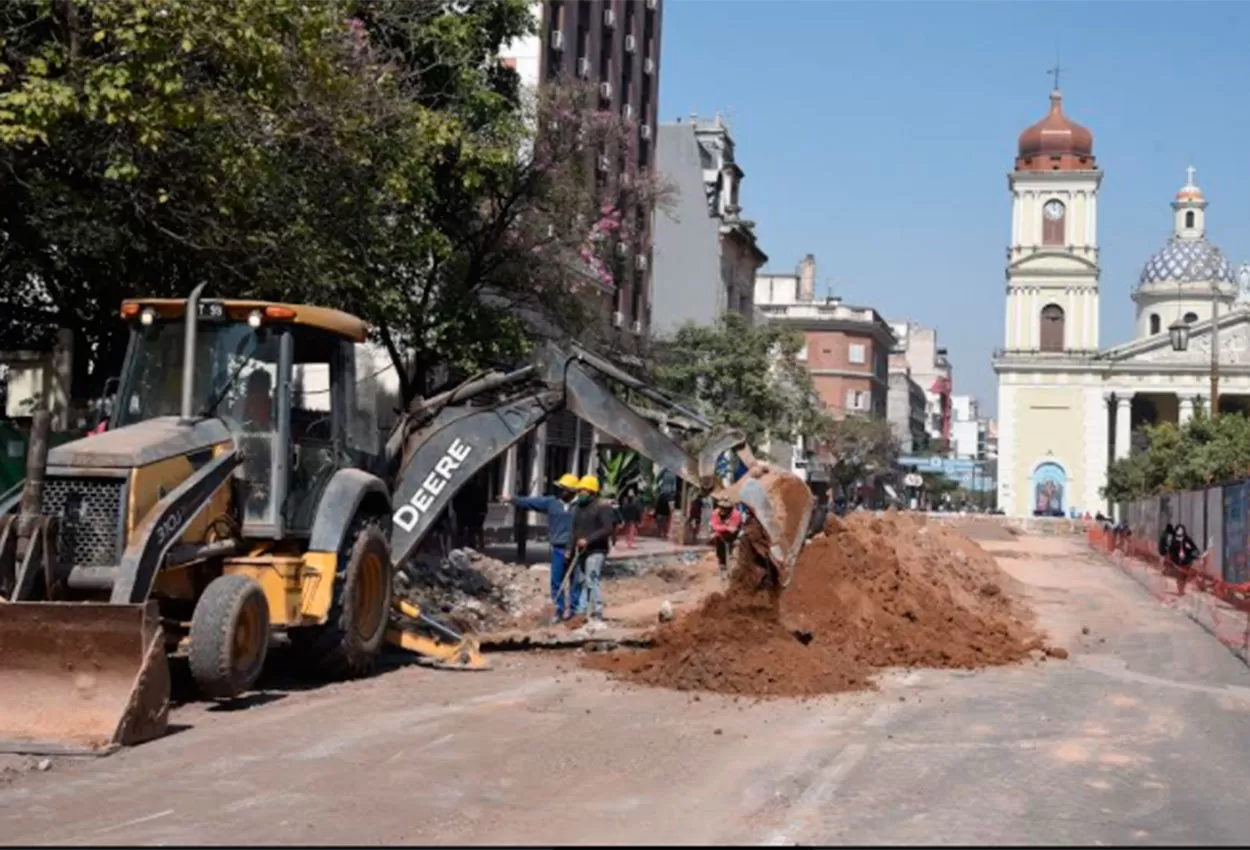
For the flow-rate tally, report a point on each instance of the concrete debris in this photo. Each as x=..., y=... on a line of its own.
x=474, y=592
x=666, y=611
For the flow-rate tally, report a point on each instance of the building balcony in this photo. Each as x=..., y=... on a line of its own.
x=1034, y=354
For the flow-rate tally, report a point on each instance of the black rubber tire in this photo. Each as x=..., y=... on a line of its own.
x=340, y=649
x=220, y=666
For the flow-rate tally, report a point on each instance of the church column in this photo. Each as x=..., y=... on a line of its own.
x=1186, y=405
x=1123, y=424
x=1123, y=433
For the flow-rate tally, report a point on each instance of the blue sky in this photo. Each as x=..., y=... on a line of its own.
x=878, y=136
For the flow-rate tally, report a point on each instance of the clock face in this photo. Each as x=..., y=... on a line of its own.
x=1053, y=210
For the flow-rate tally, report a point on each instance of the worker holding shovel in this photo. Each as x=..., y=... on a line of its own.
x=565, y=584
x=593, y=524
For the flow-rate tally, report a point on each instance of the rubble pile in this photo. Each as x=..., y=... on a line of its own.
x=473, y=592
x=869, y=592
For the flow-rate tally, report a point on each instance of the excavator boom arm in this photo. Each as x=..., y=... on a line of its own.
x=447, y=452
x=442, y=454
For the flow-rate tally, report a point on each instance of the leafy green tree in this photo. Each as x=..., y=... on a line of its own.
x=371, y=155
x=743, y=376
x=1201, y=452
x=859, y=446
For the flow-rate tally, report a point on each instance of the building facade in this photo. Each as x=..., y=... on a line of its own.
x=930, y=367
x=1067, y=408
x=706, y=255
x=616, y=45
x=967, y=428
x=905, y=408
x=847, y=348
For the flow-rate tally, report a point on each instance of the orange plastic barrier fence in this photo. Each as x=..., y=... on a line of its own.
x=1222, y=607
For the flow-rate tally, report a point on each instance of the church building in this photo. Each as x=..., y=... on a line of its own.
x=1066, y=407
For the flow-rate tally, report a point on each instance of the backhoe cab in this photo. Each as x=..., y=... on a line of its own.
x=233, y=494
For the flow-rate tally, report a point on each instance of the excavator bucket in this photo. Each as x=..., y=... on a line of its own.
x=781, y=504
x=81, y=678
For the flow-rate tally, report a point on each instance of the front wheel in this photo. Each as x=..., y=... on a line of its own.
x=229, y=636
x=351, y=638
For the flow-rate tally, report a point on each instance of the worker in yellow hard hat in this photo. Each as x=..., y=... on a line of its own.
x=558, y=510
x=594, y=522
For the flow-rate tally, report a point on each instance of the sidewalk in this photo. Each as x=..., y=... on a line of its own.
x=1201, y=598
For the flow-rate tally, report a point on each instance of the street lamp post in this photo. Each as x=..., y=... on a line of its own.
x=1215, y=350
x=1178, y=333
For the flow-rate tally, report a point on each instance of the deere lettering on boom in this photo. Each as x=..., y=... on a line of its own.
x=217, y=511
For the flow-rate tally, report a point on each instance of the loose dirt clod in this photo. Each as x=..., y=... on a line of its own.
x=871, y=592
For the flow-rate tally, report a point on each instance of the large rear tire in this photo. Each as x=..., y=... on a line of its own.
x=229, y=636
x=351, y=639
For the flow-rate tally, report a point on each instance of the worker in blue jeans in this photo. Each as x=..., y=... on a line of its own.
x=558, y=510
x=594, y=523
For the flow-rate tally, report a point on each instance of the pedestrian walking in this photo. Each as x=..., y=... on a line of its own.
x=631, y=515
x=1183, y=551
x=663, y=514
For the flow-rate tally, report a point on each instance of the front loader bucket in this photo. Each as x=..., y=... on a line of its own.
x=81, y=678
x=782, y=504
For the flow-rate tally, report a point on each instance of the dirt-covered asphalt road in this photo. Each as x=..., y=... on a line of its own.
x=1141, y=736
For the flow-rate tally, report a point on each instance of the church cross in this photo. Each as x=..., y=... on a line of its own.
x=1189, y=174
x=1054, y=72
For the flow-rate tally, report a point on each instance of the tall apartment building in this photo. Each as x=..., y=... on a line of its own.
x=615, y=44
x=905, y=406
x=706, y=256
x=930, y=367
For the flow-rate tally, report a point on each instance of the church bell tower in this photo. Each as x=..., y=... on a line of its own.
x=1052, y=262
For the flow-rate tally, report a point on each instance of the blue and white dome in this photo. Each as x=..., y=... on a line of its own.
x=1184, y=260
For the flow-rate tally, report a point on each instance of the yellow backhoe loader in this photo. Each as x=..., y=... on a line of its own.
x=221, y=507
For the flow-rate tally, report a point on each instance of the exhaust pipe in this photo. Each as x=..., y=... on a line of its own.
x=187, y=412
x=36, y=469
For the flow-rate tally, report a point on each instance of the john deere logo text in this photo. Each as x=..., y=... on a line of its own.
x=410, y=514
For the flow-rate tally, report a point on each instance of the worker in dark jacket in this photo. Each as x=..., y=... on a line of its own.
x=558, y=510
x=594, y=522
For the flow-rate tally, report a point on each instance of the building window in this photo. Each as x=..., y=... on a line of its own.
x=1154, y=323
x=1189, y=219
x=856, y=400
x=855, y=353
x=1052, y=328
x=1054, y=214
x=1190, y=318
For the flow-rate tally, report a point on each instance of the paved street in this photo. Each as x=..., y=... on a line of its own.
x=1139, y=738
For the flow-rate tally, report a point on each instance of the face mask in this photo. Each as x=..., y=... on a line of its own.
x=583, y=498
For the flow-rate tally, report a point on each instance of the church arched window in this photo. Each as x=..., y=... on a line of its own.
x=1189, y=219
x=1052, y=328
x=1154, y=323
x=1054, y=214
x=1190, y=318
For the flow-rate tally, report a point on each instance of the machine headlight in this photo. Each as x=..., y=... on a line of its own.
x=148, y=316
x=254, y=318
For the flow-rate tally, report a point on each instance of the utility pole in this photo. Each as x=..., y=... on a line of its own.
x=1215, y=350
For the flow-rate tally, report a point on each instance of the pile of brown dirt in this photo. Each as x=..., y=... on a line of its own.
x=871, y=592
